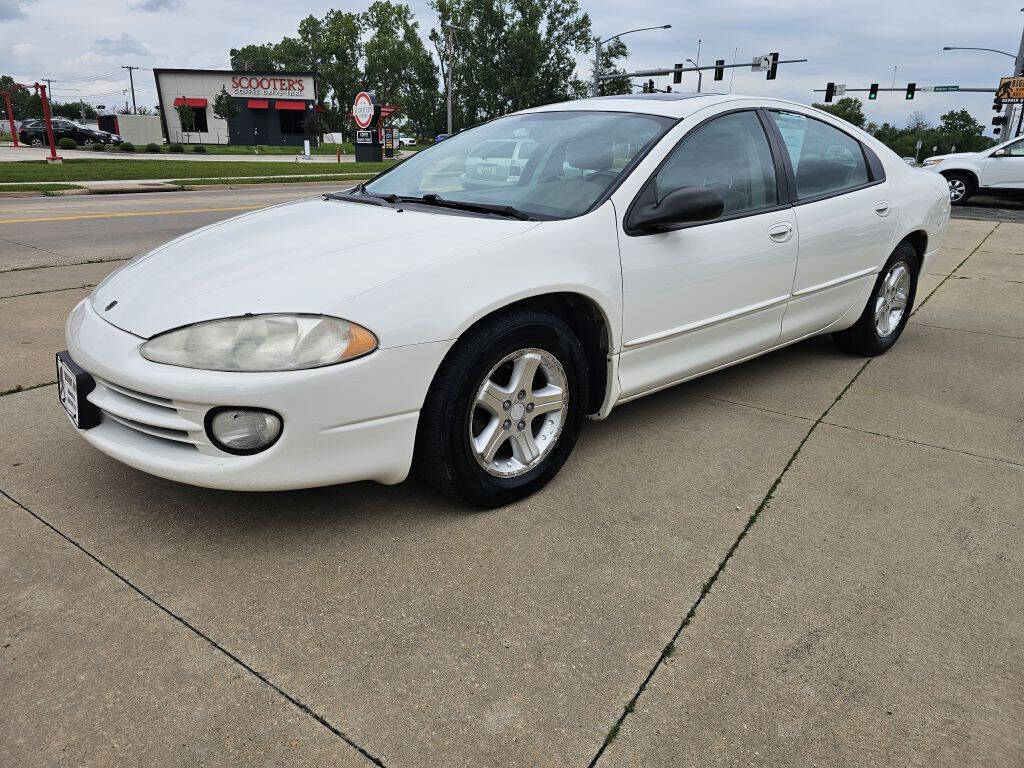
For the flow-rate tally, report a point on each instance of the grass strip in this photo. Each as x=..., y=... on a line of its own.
x=127, y=170
x=341, y=179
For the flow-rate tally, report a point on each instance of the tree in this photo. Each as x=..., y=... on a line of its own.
x=223, y=105
x=849, y=109
x=25, y=103
x=963, y=131
x=515, y=54
x=72, y=110
x=610, y=53
x=186, y=115
x=398, y=66
x=254, y=58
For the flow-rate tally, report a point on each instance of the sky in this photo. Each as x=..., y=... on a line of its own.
x=83, y=45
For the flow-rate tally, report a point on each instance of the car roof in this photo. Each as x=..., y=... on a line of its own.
x=677, y=105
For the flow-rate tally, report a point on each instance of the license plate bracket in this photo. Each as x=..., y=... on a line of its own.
x=73, y=387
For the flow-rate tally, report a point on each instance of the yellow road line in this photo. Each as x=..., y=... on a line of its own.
x=127, y=214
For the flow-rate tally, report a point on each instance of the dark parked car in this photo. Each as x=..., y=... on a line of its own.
x=33, y=132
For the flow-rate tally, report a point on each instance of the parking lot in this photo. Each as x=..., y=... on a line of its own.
x=808, y=559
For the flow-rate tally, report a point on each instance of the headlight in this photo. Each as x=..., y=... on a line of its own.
x=931, y=161
x=262, y=343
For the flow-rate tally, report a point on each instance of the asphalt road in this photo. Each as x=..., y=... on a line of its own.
x=808, y=559
x=48, y=231
x=992, y=208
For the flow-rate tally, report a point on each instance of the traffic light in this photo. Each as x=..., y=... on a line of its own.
x=873, y=93
x=997, y=105
x=774, y=68
x=719, y=69
x=911, y=88
x=677, y=76
x=999, y=120
x=830, y=91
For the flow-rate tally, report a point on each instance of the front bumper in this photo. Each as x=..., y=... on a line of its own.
x=342, y=423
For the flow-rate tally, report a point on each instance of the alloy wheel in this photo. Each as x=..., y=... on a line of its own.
x=892, y=297
x=518, y=412
x=957, y=189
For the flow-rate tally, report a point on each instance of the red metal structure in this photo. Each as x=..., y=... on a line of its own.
x=10, y=116
x=41, y=90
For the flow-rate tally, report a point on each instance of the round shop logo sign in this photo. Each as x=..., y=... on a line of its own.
x=362, y=110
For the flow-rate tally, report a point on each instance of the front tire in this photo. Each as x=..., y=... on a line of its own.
x=888, y=309
x=505, y=409
x=961, y=187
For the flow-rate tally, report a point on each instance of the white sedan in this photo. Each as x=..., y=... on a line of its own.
x=413, y=322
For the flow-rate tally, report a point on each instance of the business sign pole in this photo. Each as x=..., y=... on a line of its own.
x=10, y=117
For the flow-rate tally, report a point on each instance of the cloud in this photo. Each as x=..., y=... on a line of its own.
x=154, y=6
x=123, y=45
x=10, y=10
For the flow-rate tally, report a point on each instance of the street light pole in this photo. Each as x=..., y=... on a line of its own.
x=598, y=42
x=1018, y=70
x=700, y=75
x=451, y=64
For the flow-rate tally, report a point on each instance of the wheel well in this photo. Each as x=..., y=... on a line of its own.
x=971, y=175
x=919, y=240
x=587, y=321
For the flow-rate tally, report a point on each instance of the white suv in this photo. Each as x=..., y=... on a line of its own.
x=994, y=171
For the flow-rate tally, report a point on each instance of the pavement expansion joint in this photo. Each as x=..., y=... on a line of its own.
x=297, y=703
x=670, y=647
x=22, y=388
x=51, y=266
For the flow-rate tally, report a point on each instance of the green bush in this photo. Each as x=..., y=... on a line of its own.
x=67, y=143
x=151, y=147
x=175, y=148
x=199, y=149
x=99, y=148
x=126, y=146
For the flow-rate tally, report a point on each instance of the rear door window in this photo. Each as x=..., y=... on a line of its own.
x=825, y=160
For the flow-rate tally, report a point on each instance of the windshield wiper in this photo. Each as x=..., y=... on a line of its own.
x=436, y=200
x=359, y=194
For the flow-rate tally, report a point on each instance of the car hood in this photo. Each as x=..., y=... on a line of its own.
x=307, y=256
x=954, y=156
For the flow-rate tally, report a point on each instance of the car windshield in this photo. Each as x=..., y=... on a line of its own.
x=550, y=165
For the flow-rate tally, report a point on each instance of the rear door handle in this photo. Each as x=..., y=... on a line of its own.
x=882, y=207
x=780, y=233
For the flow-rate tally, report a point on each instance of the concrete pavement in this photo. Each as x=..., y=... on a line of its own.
x=806, y=559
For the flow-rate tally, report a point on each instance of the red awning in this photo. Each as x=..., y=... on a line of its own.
x=191, y=102
x=297, y=105
x=258, y=104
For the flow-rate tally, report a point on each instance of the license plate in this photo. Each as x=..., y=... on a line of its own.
x=68, y=389
x=73, y=386
x=489, y=168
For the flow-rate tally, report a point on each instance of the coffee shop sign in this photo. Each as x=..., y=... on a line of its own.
x=268, y=85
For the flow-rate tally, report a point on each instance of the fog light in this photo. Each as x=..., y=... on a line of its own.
x=243, y=430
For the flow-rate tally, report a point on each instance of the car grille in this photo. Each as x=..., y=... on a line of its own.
x=157, y=417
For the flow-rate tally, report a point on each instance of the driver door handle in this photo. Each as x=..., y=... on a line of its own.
x=780, y=233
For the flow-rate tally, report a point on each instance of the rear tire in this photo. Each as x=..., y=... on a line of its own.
x=888, y=309
x=961, y=187
x=491, y=451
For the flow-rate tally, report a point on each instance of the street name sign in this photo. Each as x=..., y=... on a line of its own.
x=942, y=88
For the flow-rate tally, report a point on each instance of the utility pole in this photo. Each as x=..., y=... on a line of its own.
x=451, y=58
x=596, y=88
x=131, y=81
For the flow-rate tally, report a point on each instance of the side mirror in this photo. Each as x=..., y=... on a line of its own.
x=680, y=206
x=1000, y=153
